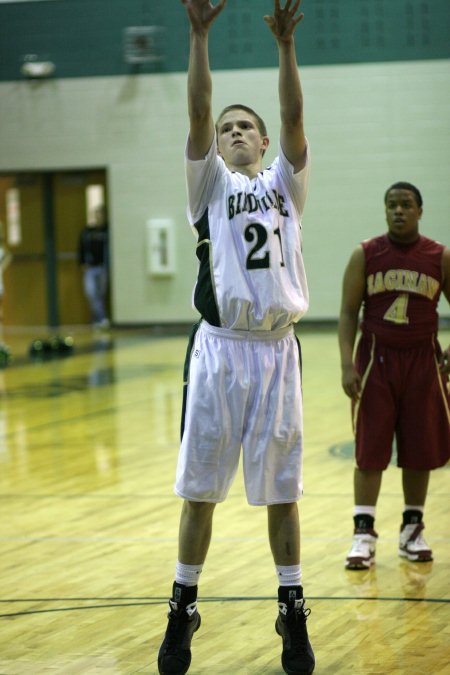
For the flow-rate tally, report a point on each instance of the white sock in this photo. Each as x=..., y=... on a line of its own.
x=408, y=507
x=187, y=575
x=289, y=575
x=369, y=510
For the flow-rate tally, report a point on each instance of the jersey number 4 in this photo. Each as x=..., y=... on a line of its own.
x=257, y=259
x=397, y=312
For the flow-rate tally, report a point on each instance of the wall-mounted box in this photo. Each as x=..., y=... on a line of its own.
x=160, y=247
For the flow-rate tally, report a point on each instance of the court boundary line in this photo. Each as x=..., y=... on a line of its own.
x=146, y=602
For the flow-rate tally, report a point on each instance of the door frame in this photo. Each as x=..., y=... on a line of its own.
x=50, y=253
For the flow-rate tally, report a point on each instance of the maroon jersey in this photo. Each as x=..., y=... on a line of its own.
x=403, y=285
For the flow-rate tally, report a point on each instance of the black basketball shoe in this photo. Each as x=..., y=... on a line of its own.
x=174, y=656
x=297, y=657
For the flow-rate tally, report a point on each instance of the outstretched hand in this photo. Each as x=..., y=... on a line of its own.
x=283, y=22
x=202, y=13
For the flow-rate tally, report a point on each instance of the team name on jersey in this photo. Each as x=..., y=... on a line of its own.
x=243, y=201
x=402, y=280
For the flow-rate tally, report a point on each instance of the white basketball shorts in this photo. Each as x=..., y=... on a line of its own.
x=243, y=390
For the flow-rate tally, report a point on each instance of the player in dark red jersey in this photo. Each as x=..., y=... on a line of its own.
x=398, y=379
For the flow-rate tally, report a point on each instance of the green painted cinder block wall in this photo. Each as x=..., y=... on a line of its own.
x=84, y=38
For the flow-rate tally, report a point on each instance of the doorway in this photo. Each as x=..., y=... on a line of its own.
x=41, y=218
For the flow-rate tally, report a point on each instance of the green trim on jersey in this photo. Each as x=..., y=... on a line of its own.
x=205, y=299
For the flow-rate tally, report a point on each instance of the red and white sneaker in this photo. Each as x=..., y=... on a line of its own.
x=362, y=554
x=412, y=545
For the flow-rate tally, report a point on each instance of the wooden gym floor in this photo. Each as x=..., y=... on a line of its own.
x=88, y=446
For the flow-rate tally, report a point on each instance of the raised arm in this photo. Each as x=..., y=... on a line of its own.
x=201, y=15
x=292, y=137
x=353, y=287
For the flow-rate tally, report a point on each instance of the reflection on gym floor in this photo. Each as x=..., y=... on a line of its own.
x=88, y=446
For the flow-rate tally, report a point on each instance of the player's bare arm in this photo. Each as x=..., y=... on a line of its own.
x=352, y=296
x=444, y=363
x=283, y=24
x=201, y=14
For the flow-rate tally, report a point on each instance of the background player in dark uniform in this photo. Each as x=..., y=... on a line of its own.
x=242, y=373
x=93, y=256
x=398, y=380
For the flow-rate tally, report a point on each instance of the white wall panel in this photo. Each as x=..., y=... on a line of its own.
x=368, y=126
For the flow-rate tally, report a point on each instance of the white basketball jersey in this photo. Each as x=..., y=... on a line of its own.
x=251, y=274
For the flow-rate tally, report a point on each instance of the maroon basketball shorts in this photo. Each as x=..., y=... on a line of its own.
x=404, y=397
